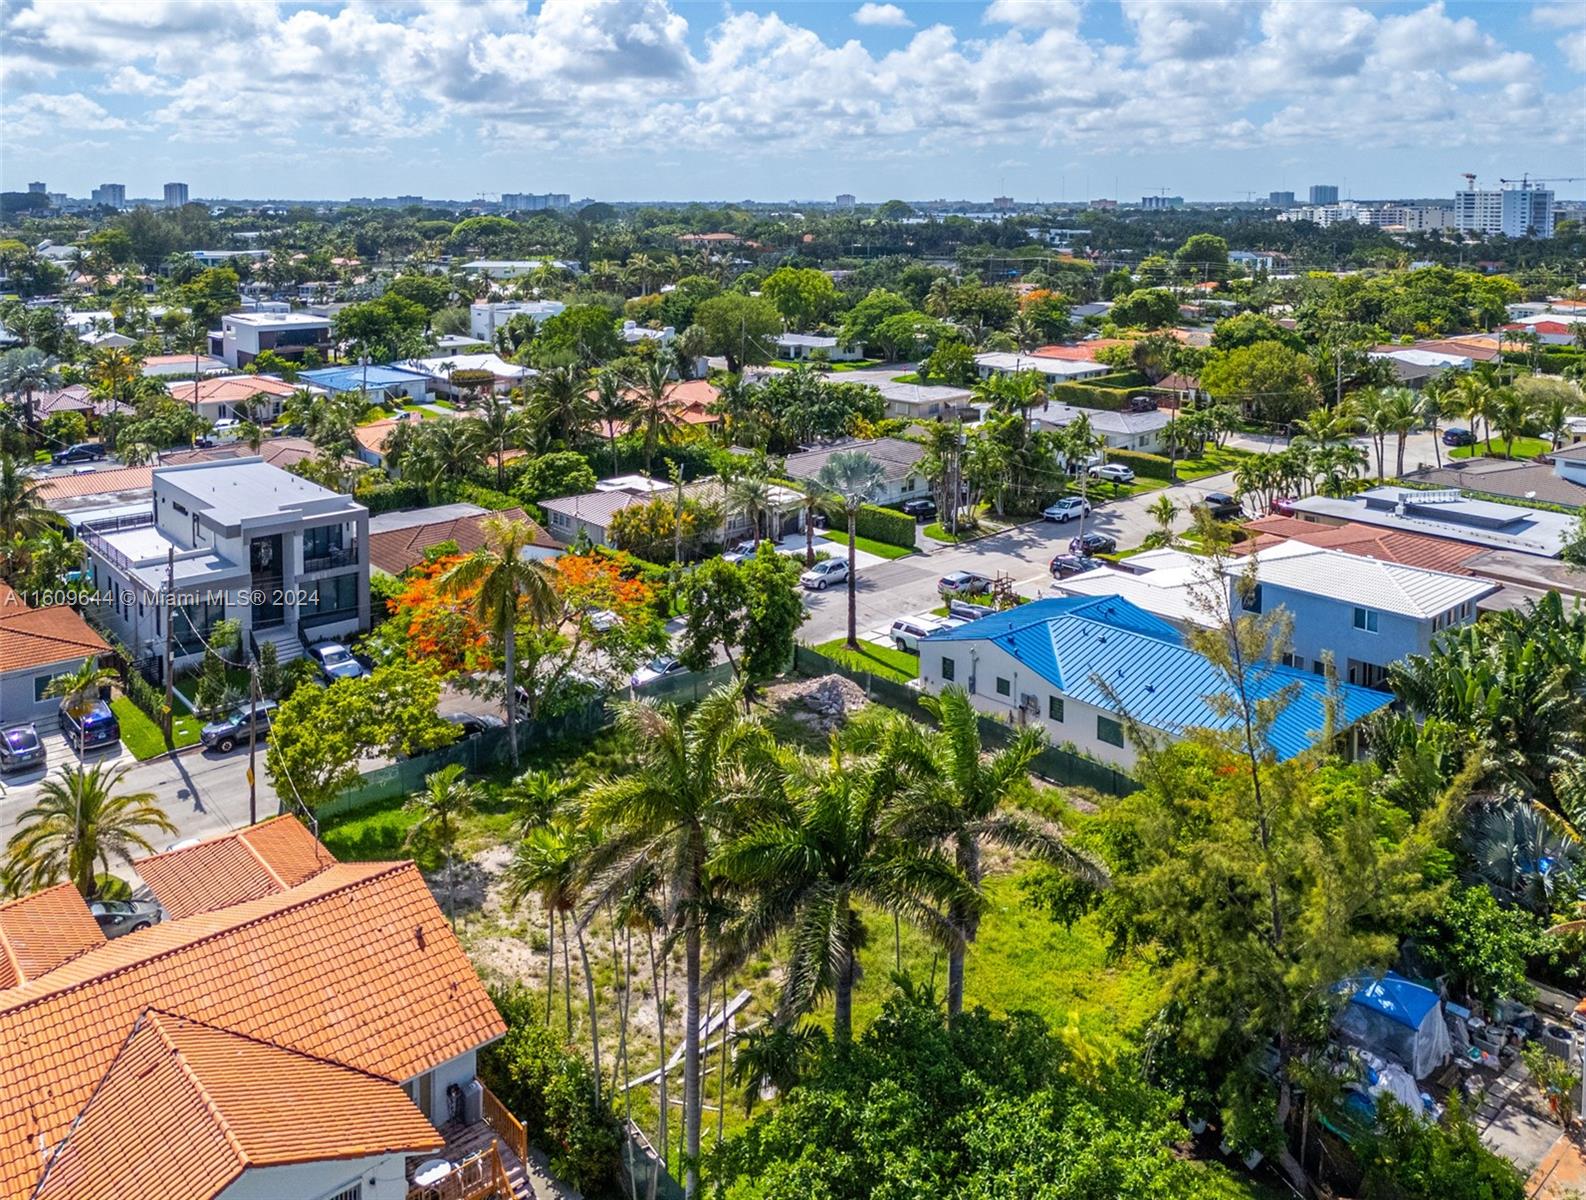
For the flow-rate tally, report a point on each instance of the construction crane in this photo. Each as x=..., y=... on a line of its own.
x=1527, y=180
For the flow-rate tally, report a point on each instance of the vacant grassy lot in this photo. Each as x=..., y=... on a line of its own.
x=1525, y=447
x=884, y=661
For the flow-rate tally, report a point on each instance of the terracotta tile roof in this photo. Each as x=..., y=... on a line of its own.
x=41, y=932
x=689, y=403
x=395, y=550
x=228, y=389
x=9, y=598
x=224, y=1102
x=42, y=637
x=1367, y=541
x=372, y=436
x=117, y=479
x=1080, y=351
x=277, y=451
x=357, y=966
x=263, y=860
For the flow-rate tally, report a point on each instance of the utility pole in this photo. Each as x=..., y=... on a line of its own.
x=253, y=740
x=170, y=640
x=1338, y=373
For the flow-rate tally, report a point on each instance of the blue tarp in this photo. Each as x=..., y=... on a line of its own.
x=1396, y=998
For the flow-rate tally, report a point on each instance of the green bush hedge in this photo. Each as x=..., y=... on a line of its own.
x=390, y=497
x=485, y=497
x=1130, y=380
x=882, y=525
x=1554, y=359
x=1147, y=466
x=1088, y=395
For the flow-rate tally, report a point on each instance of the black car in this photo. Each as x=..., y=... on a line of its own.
x=88, y=726
x=1093, y=543
x=920, y=510
x=473, y=724
x=235, y=727
x=1222, y=506
x=1064, y=565
x=21, y=748
x=82, y=452
x=1456, y=436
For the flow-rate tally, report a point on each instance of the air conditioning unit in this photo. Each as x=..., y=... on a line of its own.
x=473, y=1102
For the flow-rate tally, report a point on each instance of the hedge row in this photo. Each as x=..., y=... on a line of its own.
x=390, y=497
x=885, y=525
x=1147, y=466
x=1130, y=380
x=1087, y=395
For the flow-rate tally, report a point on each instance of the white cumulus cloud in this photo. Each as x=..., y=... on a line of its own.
x=882, y=14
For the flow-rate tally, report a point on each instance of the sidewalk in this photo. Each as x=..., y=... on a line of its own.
x=1562, y=1172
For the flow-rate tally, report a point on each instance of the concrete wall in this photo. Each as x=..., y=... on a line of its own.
x=978, y=665
x=381, y=1178
x=1324, y=623
x=17, y=705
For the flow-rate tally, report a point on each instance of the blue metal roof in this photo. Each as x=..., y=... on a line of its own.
x=1109, y=653
x=1395, y=997
x=352, y=378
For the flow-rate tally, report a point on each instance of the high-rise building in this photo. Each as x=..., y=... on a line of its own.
x=38, y=189
x=846, y=201
x=175, y=195
x=534, y=202
x=1281, y=199
x=1161, y=202
x=1518, y=211
x=112, y=195
x=1324, y=193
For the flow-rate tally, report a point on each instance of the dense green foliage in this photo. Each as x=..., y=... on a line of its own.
x=886, y=525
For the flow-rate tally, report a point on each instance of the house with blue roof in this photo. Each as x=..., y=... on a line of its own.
x=1072, y=666
x=382, y=383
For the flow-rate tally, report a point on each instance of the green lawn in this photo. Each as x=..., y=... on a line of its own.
x=1525, y=447
x=857, y=365
x=142, y=736
x=937, y=532
x=187, y=683
x=879, y=549
x=1214, y=461
x=882, y=661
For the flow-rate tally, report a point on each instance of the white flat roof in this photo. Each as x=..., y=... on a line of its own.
x=265, y=320
x=1003, y=360
x=243, y=489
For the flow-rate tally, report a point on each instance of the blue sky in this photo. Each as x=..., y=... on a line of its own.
x=634, y=99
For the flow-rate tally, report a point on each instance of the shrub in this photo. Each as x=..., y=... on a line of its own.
x=485, y=497
x=882, y=525
x=1147, y=466
x=1089, y=395
x=552, y=1091
x=390, y=497
x=1130, y=380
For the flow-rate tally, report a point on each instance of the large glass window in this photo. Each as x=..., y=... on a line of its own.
x=192, y=621
x=1109, y=730
x=320, y=541
x=331, y=599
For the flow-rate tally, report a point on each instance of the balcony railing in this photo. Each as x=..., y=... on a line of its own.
x=508, y=1128
x=345, y=556
x=477, y=1176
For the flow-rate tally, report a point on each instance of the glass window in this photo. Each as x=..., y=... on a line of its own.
x=1054, y=707
x=41, y=684
x=1366, y=619
x=320, y=541
x=1252, y=599
x=330, y=598
x=1109, y=731
x=948, y=669
x=1004, y=688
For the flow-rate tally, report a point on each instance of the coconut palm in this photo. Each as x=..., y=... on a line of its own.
x=80, y=688
x=1474, y=396
x=1371, y=404
x=853, y=479
x=27, y=370
x=1434, y=397
x=1510, y=416
x=78, y=821
x=502, y=427
x=1399, y=417
x=1326, y=427
x=441, y=450
x=1162, y=511
x=560, y=402
x=1258, y=475
x=442, y=804
x=669, y=812
x=966, y=806
x=650, y=388
x=511, y=588
x=22, y=515
x=828, y=842
x=611, y=408
x=750, y=493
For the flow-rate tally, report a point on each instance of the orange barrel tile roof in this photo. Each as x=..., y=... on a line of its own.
x=38, y=637
x=259, y=861
x=1367, y=541
x=186, y=1107
x=357, y=966
x=43, y=931
x=94, y=483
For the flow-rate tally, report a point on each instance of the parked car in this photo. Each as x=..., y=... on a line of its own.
x=907, y=632
x=1064, y=565
x=21, y=748
x=90, y=725
x=1456, y=435
x=226, y=427
x=473, y=724
x=235, y=727
x=970, y=583
x=81, y=452
x=1222, y=506
x=920, y=510
x=742, y=552
x=336, y=662
x=116, y=917
x=658, y=667
x=1283, y=505
x=1093, y=543
x=603, y=620
x=1113, y=473
x=1065, y=510
x=823, y=574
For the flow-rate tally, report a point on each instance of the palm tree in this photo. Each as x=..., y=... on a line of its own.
x=1400, y=414
x=446, y=799
x=1474, y=392
x=511, y=588
x=80, y=688
x=1325, y=428
x=610, y=407
x=78, y=821
x=853, y=479
x=1258, y=475
x=650, y=389
x=1025, y=332
x=641, y=270
x=1433, y=398
x=1372, y=406
x=1511, y=415
x=560, y=403
x=1162, y=511
x=500, y=426
x=25, y=371
x=827, y=842
x=21, y=513
x=966, y=808
x=441, y=450
x=1553, y=415
x=749, y=493
x=671, y=810
x=812, y=499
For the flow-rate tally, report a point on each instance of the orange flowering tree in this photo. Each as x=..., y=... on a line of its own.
x=440, y=628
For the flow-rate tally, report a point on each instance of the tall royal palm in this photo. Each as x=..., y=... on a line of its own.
x=510, y=588
x=967, y=804
x=501, y=427
x=827, y=843
x=853, y=479
x=79, y=821
x=22, y=514
x=670, y=812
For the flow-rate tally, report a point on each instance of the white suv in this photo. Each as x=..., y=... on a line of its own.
x=907, y=632
x=823, y=574
x=1066, y=509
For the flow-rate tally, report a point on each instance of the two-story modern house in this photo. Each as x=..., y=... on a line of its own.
x=295, y=1029
x=243, y=336
x=236, y=540
x=1084, y=668
x=1363, y=613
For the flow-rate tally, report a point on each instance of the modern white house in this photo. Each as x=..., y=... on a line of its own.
x=1056, y=370
x=516, y=268
x=633, y=333
x=235, y=540
x=487, y=316
x=1143, y=431
x=243, y=336
x=1084, y=668
x=1360, y=613
x=505, y=375
x=296, y=1028
x=803, y=347
x=900, y=461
